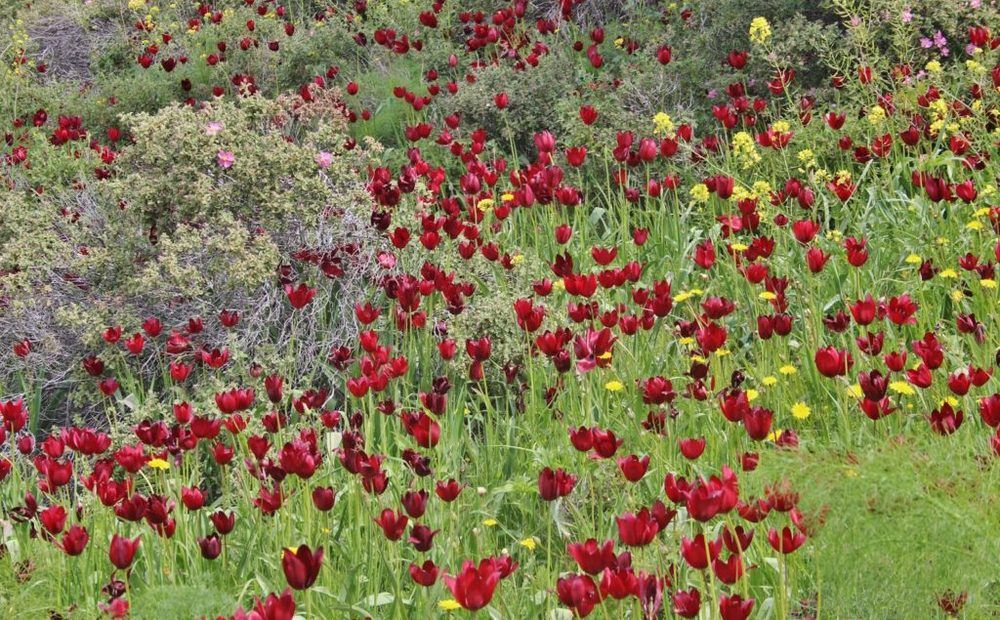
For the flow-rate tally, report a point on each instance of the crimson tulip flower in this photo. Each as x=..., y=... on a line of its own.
x=579, y=593
x=473, y=587
x=735, y=607
x=122, y=551
x=299, y=296
x=74, y=540
x=301, y=566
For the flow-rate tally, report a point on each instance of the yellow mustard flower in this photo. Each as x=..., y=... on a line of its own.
x=760, y=30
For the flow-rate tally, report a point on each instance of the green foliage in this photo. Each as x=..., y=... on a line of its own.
x=910, y=512
x=174, y=172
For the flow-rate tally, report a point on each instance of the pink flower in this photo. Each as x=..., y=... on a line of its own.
x=386, y=260
x=225, y=159
x=324, y=159
x=213, y=128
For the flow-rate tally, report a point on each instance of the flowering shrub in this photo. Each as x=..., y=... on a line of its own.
x=598, y=332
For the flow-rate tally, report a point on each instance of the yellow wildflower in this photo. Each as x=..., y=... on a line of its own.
x=902, y=387
x=662, y=123
x=700, y=192
x=760, y=30
x=801, y=411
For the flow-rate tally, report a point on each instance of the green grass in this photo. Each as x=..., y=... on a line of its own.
x=905, y=521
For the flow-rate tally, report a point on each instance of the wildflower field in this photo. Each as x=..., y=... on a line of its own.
x=503, y=309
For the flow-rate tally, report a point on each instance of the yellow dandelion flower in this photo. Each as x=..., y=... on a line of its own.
x=449, y=604
x=752, y=394
x=801, y=411
x=614, y=386
x=769, y=380
x=158, y=464
x=855, y=391
x=722, y=352
x=947, y=273
x=490, y=522
x=914, y=259
x=990, y=284
x=775, y=435
x=788, y=369
x=529, y=543
x=767, y=296
x=957, y=295
x=902, y=387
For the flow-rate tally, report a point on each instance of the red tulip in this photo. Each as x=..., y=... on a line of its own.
x=425, y=575
x=473, y=587
x=734, y=607
x=692, y=448
x=211, y=546
x=787, y=541
x=393, y=524
x=122, y=551
x=74, y=540
x=299, y=296
x=832, y=362
x=555, y=484
x=637, y=529
x=579, y=593
x=324, y=498
x=301, y=566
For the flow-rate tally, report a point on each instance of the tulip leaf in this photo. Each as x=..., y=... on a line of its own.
x=381, y=599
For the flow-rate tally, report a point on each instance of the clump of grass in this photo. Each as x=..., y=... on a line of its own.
x=906, y=521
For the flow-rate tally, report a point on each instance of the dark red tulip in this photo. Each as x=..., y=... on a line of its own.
x=473, y=587
x=301, y=566
x=122, y=551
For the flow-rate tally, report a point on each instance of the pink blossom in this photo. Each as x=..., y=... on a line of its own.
x=324, y=159
x=387, y=260
x=225, y=159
